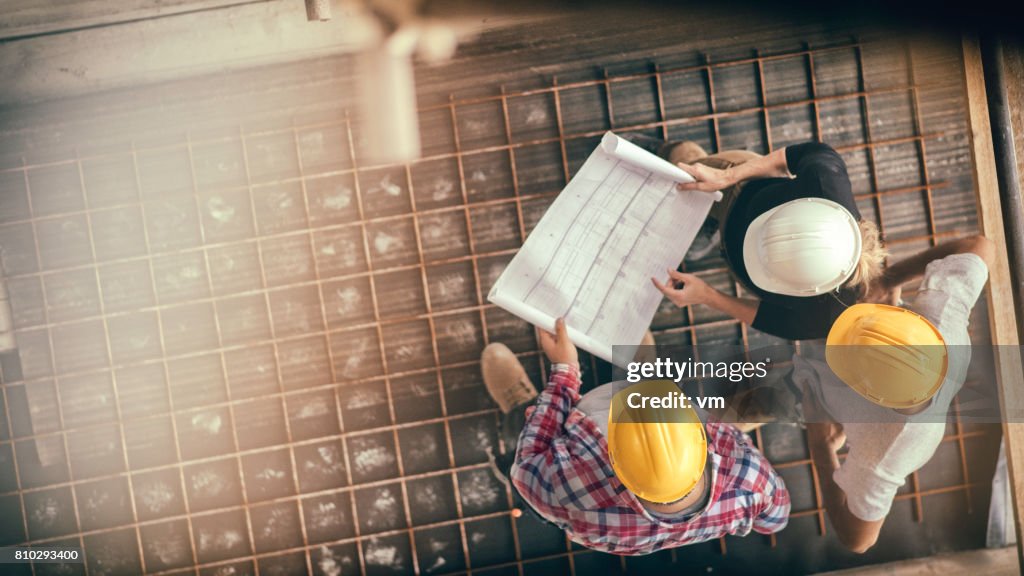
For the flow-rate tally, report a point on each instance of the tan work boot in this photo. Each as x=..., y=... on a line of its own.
x=686, y=152
x=505, y=377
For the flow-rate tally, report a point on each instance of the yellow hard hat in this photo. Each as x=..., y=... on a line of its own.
x=657, y=453
x=889, y=355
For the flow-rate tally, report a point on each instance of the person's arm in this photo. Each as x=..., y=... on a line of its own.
x=824, y=440
x=912, y=268
x=708, y=179
x=686, y=289
x=773, y=502
x=542, y=445
x=887, y=289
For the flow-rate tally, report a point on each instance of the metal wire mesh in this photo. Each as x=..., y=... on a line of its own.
x=251, y=351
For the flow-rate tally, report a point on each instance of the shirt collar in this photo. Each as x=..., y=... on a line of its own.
x=714, y=462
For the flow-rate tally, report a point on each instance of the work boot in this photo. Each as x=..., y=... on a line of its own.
x=505, y=377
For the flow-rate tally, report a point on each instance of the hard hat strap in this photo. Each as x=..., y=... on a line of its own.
x=835, y=294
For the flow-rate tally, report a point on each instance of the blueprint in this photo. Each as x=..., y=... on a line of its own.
x=590, y=259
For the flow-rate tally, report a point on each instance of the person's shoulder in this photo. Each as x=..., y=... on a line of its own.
x=815, y=148
x=961, y=275
x=723, y=439
x=918, y=438
x=811, y=155
x=734, y=448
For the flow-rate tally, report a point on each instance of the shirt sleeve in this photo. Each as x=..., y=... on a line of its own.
x=880, y=459
x=820, y=173
x=810, y=157
x=869, y=495
x=774, y=503
x=542, y=455
x=950, y=288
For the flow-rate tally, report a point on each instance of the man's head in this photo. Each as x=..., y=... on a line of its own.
x=657, y=453
x=889, y=355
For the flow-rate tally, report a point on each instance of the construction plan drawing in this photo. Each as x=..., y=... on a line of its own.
x=620, y=221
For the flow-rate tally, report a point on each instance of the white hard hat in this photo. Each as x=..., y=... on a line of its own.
x=804, y=247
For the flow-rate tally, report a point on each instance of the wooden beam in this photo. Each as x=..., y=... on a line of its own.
x=1014, y=78
x=997, y=562
x=999, y=295
x=192, y=38
x=24, y=18
x=163, y=49
x=318, y=10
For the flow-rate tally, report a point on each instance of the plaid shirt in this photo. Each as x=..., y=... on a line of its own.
x=562, y=470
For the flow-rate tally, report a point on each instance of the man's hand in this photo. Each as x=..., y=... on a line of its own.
x=829, y=435
x=558, y=347
x=707, y=179
x=684, y=289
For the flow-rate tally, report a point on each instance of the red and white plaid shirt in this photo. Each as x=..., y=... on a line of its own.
x=562, y=470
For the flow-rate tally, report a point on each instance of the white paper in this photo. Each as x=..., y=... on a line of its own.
x=640, y=158
x=590, y=259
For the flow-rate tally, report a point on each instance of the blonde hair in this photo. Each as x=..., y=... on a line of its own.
x=872, y=257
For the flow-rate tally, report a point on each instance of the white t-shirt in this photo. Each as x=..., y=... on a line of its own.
x=885, y=446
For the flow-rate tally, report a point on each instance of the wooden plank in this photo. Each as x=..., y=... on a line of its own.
x=998, y=293
x=1014, y=78
x=161, y=49
x=24, y=18
x=148, y=48
x=998, y=562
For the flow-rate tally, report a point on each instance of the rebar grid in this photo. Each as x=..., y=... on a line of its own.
x=435, y=373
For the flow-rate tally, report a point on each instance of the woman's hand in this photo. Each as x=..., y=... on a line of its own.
x=707, y=179
x=558, y=347
x=684, y=289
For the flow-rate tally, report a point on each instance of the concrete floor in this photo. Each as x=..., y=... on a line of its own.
x=242, y=349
